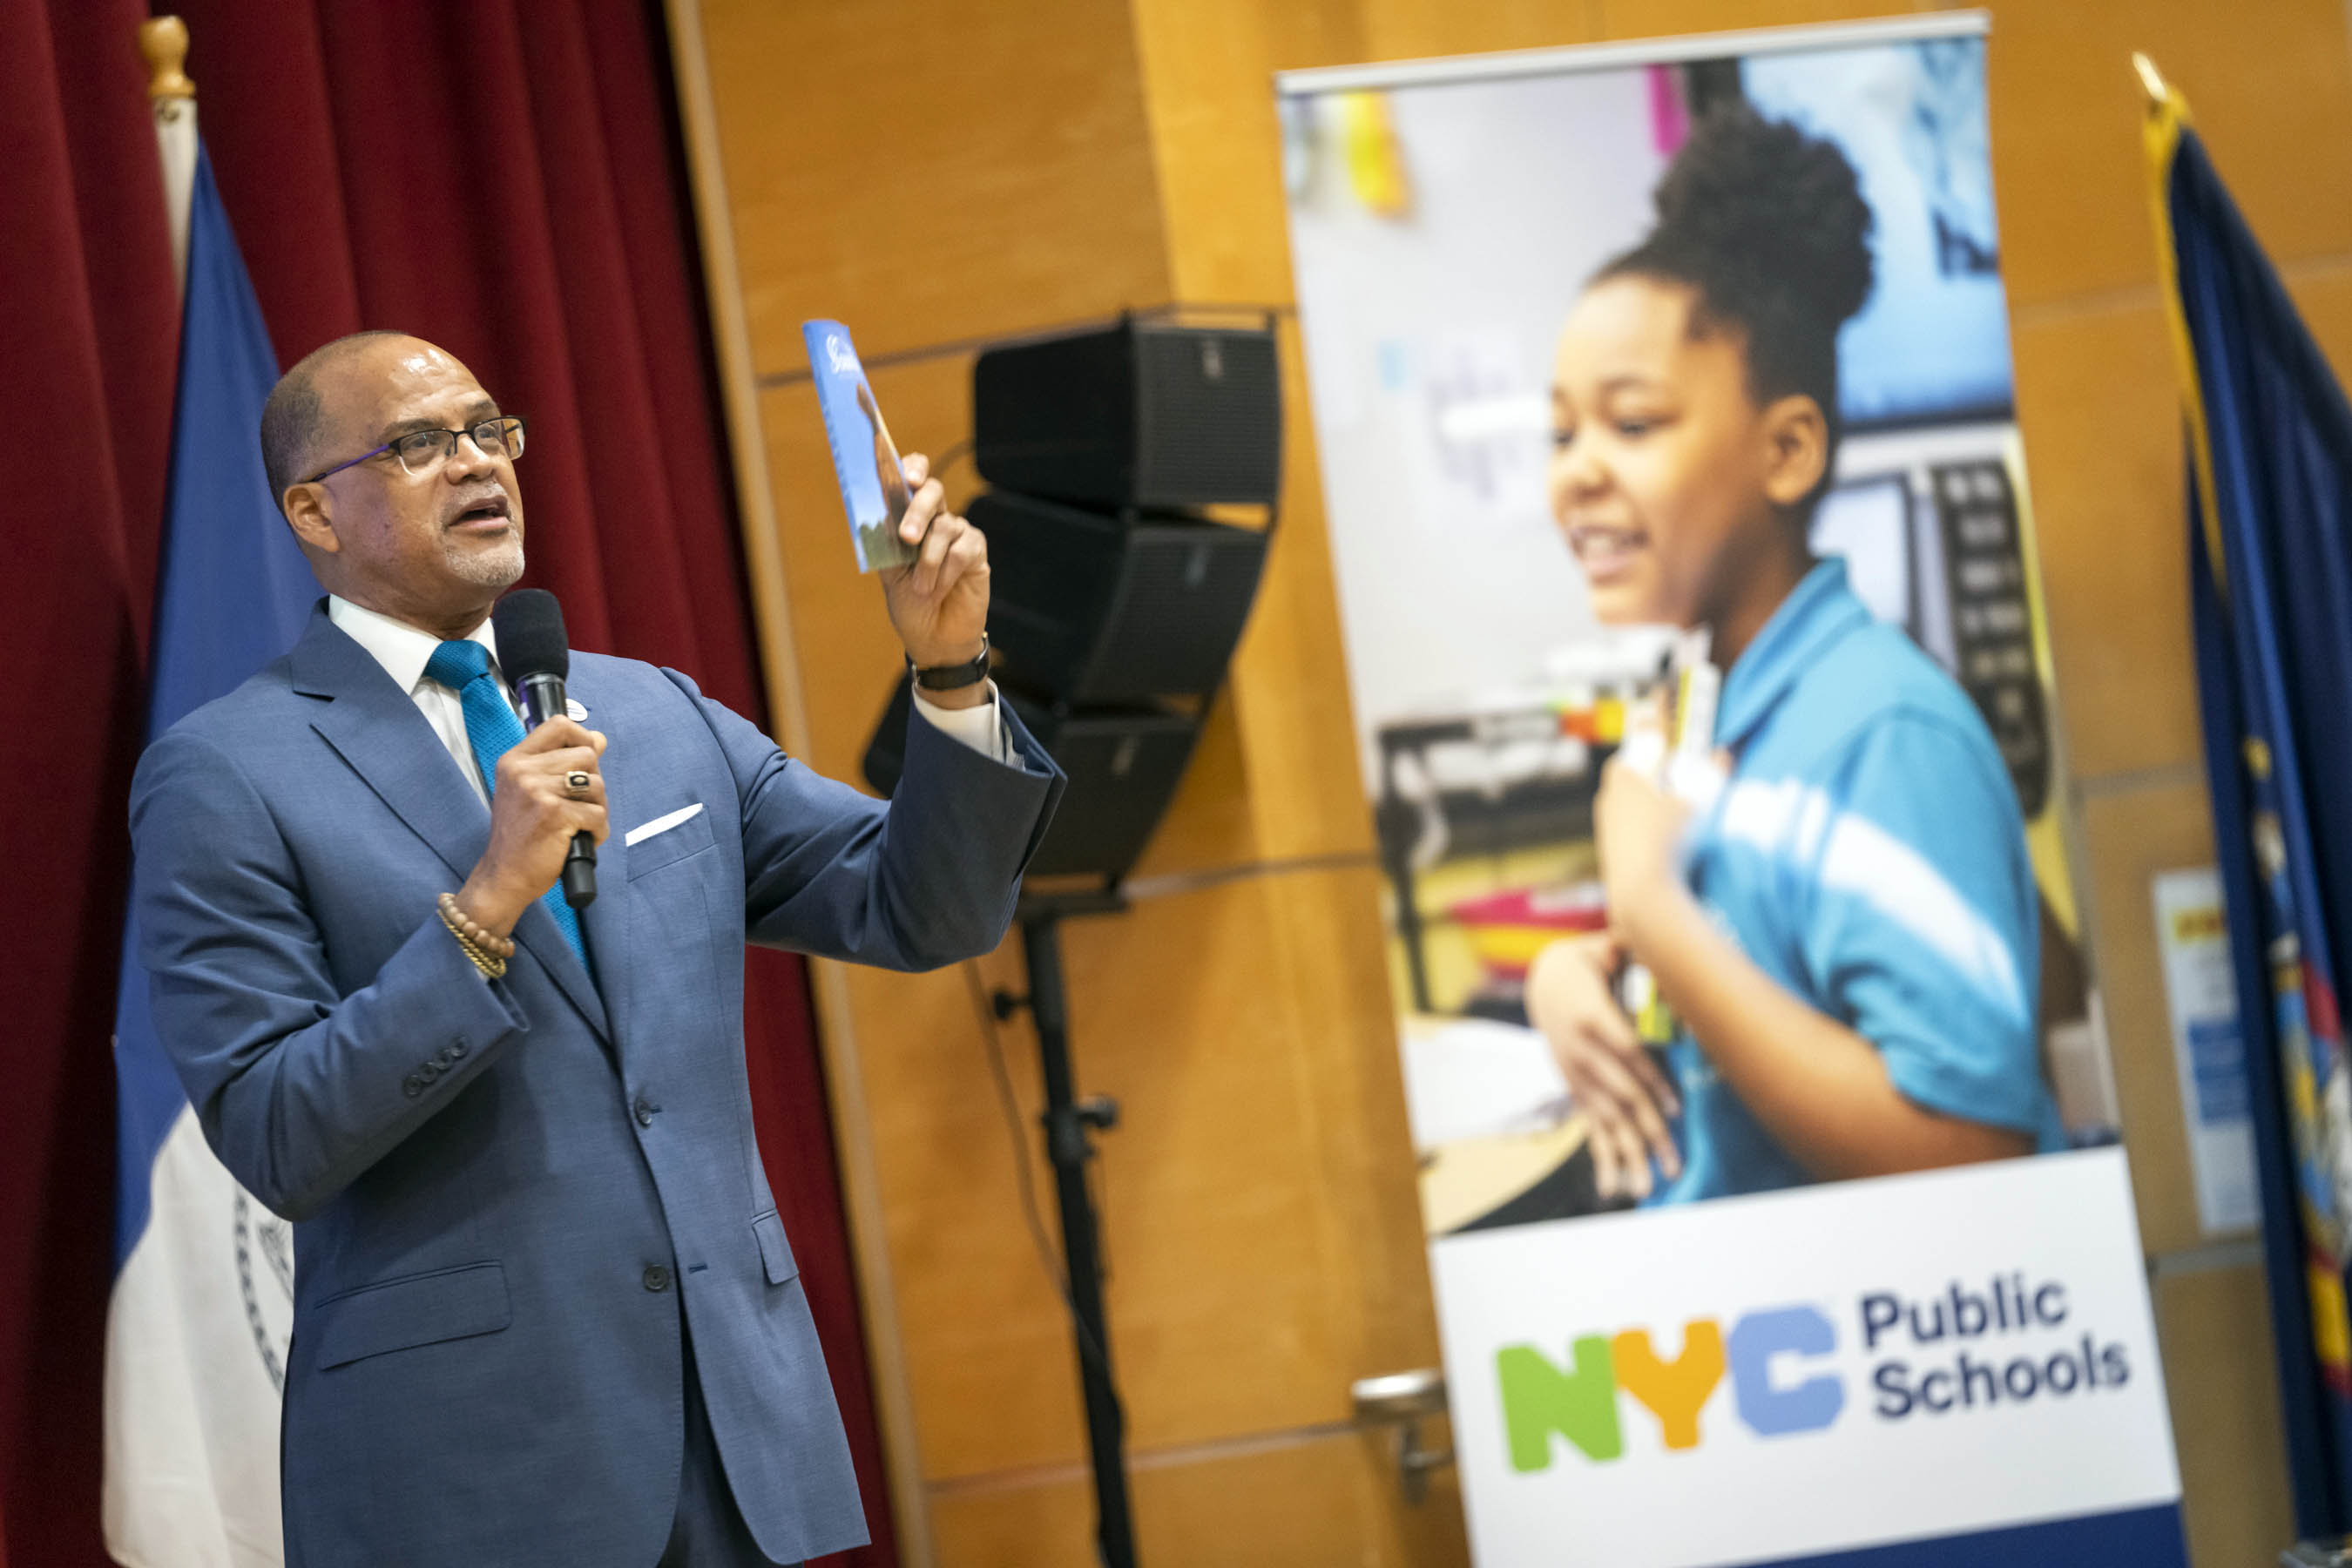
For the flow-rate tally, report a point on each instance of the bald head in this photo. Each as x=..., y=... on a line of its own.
x=296, y=419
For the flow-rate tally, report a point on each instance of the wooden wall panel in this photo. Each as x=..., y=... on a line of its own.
x=2101, y=412
x=984, y=1335
x=1666, y=18
x=2271, y=89
x=1415, y=29
x=1240, y=1508
x=1351, y=1106
x=2214, y=1327
x=2128, y=837
x=1289, y=695
x=1207, y=73
x=929, y=172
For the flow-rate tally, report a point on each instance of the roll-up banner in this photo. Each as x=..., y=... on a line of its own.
x=1767, y=1140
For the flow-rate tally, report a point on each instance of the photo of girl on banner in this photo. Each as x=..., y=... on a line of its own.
x=1722, y=851
x=1848, y=932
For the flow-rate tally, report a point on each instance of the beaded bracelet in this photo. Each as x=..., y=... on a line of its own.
x=492, y=965
x=489, y=952
x=464, y=925
x=492, y=968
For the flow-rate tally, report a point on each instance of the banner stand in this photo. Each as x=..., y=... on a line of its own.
x=1767, y=1140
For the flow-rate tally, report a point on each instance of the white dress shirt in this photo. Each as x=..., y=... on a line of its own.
x=404, y=651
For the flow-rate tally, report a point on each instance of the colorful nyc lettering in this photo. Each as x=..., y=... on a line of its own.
x=1579, y=1402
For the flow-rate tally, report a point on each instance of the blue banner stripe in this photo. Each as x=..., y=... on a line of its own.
x=2132, y=1538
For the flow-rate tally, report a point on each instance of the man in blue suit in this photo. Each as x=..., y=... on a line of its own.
x=545, y=1311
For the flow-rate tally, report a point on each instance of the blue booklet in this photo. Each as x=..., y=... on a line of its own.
x=873, y=484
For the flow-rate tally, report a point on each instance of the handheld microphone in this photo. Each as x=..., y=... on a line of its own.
x=534, y=656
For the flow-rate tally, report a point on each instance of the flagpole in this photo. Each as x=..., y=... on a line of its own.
x=172, y=97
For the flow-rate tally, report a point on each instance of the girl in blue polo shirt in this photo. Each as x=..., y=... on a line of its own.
x=1848, y=934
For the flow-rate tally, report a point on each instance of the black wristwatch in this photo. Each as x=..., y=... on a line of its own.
x=951, y=677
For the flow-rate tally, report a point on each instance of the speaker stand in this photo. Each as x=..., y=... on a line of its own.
x=1068, y=1122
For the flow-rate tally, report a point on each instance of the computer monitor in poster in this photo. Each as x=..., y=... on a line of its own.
x=1932, y=344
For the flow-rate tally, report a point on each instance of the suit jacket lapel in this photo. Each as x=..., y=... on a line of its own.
x=374, y=726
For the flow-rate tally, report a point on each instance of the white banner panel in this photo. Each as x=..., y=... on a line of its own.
x=1799, y=1373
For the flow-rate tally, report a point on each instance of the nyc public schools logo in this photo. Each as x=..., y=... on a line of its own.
x=2008, y=1345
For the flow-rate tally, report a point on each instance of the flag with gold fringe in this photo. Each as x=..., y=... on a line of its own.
x=2269, y=504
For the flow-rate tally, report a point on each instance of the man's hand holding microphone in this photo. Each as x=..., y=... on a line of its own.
x=540, y=801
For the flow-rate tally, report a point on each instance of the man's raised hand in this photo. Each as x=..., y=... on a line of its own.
x=938, y=603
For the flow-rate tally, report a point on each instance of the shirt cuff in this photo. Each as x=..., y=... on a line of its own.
x=979, y=726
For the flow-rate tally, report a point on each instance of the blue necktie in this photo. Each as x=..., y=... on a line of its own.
x=493, y=731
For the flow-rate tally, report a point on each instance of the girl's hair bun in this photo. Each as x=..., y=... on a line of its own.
x=1758, y=197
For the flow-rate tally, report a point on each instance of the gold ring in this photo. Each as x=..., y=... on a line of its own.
x=577, y=783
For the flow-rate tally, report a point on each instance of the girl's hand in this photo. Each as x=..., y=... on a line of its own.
x=1624, y=1098
x=1638, y=827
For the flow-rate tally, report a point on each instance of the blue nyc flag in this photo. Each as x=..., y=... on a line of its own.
x=2270, y=500
x=202, y=1276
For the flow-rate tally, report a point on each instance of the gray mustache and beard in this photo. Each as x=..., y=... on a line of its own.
x=497, y=567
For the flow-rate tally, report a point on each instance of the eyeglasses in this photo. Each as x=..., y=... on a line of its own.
x=421, y=451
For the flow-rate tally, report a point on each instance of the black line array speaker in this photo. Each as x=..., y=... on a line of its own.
x=1114, y=604
x=1087, y=608
x=1123, y=766
x=1149, y=413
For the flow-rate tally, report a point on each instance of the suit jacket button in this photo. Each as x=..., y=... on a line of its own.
x=645, y=1109
x=656, y=1277
x=456, y=1047
x=412, y=1086
x=429, y=1071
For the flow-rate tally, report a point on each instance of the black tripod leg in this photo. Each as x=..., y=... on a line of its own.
x=1067, y=1145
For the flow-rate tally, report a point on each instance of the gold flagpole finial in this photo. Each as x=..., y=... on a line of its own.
x=164, y=40
x=2152, y=82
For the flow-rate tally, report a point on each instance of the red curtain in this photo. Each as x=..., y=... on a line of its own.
x=87, y=345
x=503, y=178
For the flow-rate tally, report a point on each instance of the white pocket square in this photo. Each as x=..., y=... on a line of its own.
x=644, y=831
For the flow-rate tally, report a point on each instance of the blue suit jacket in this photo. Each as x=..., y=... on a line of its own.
x=505, y=1192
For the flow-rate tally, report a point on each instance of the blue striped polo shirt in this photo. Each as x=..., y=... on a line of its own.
x=1867, y=853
